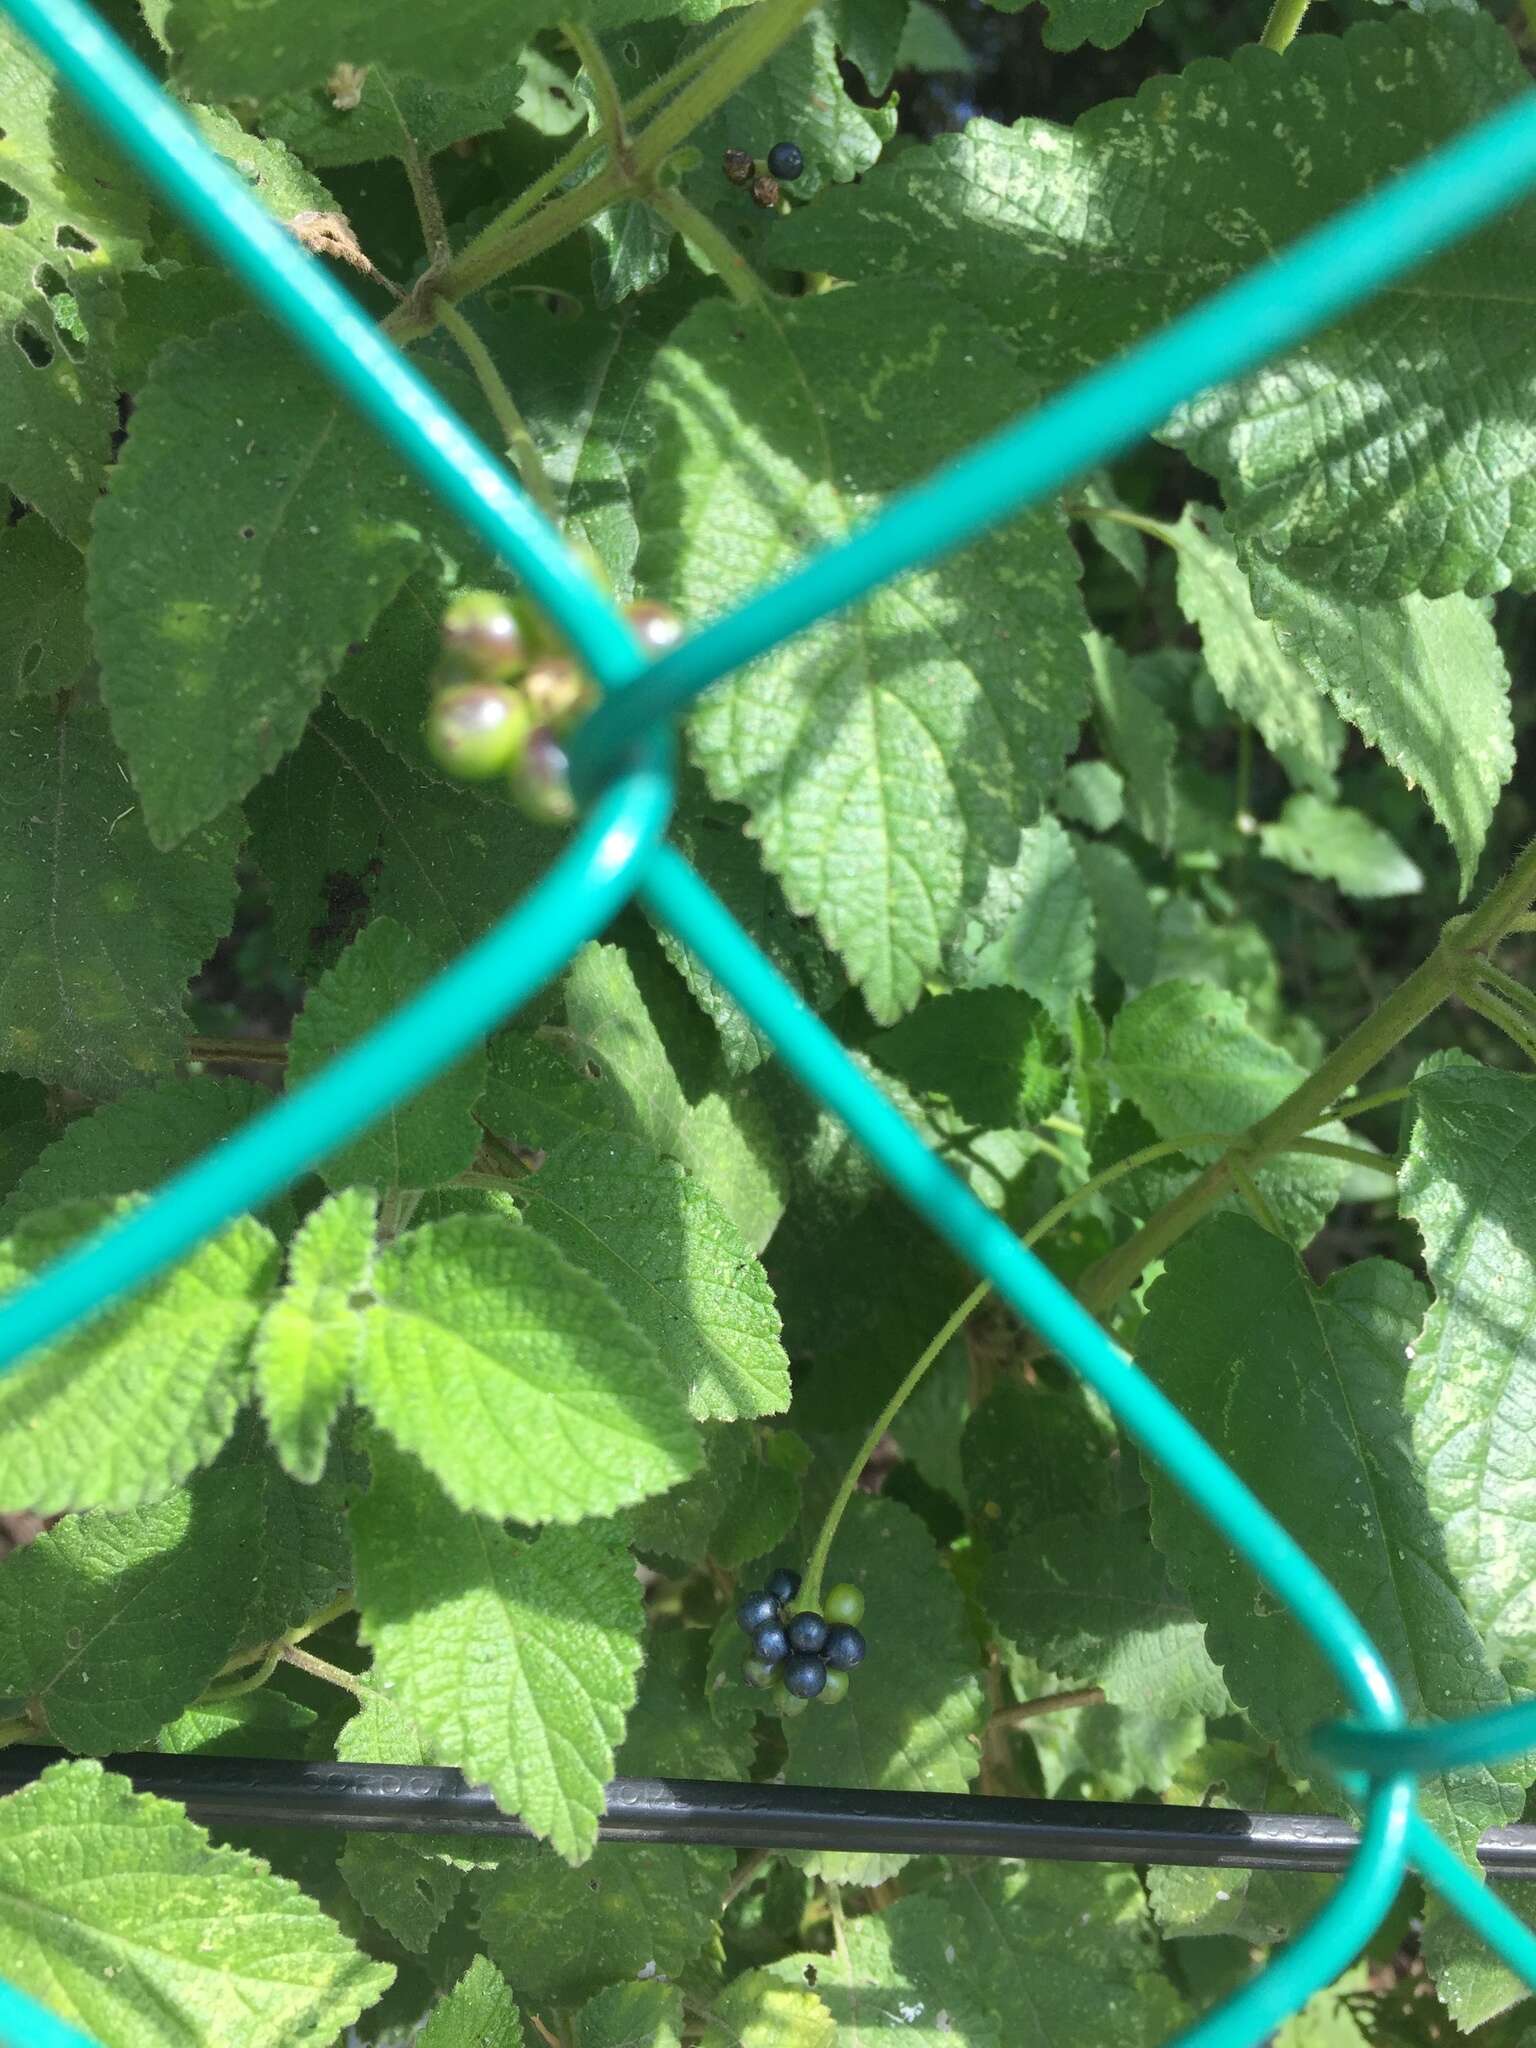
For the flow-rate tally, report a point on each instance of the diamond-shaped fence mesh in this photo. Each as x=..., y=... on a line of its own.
x=622, y=761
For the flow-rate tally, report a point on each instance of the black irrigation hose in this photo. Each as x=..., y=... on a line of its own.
x=358, y=1798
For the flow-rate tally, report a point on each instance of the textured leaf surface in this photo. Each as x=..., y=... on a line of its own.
x=121, y=1409
x=429, y=1137
x=73, y=219
x=254, y=528
x=1327, y=457
x=477, y=2013
x=1423, y=679
x=755, y=2011
x=311, y=1338
x=389, y=107
x=122, y=1918
x=98, y=933
x=675, y=1264
x=915, y=1701
x=1301, y=1389
x=886, y=756
x=1337, y=844
x=1257, y=675
x=1091, y=1597
x=574, y=1412
x=1256, y=1905
x=227, y=51
x=648, y=2015
x=404, y=1881
x=894, y=1976
x=1189, y=1059
x=111, y=1624
x=129, y=1146
x=1468, y=1185
x=991, y=1053
x=44, y=646
x=1104, y=23
x=1138, y=737
x=517, y=1660
x=1032, y=927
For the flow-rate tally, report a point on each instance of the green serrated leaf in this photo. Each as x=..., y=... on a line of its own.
x=1301, y=1389
x=99, y=934
x=575, y=1414
x=1253, y=669
x=1468, y=1186
x=1258, y=1906
x=1032, y=927
x=1139, y=738
x=127, y=1922
x=262, y=1723
x=1124, y=917
x=756, y=2011
x=991, y=1053
x=73, y=223
x=432, y=1136
x=308, y=1343
x=295, y=1535
x=648, y=2015
x=1104, y=23
x=44, y=645
x=762, y=1506
x=915, y=1701
x=1187, y=1056
x=129, y=1146
x=326, y=126
x=479, y=2012
x=1423, y=679
x=1091, y=1597
x=679, y=1524
x=255, y=526
x=125, y=1406
x=1328, y=458
x=1340, y=845
x=404, y=1881
x=271, y=170
x=672, y=1260
x=913, y=722
x=517, y=1660
x=111, y=1624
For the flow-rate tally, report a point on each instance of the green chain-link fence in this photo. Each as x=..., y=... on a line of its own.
x=622, y=762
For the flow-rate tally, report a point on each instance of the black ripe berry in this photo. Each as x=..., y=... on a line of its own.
x=785, y=162
x=783, y=1584
x=844, y=1647
x=806, y=1632
x=804, y=1677
x=756, y=1610
x=771, y=1644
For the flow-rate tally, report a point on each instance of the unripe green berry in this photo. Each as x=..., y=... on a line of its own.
x=762, y=1675
x=790, y=1704
x=835, y=1689
x=480, y=629
x=557, y=691
x=541, y=782
x=477, y=730
x=844, y=1603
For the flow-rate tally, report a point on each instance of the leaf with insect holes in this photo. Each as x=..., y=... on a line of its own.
x=915, y=1702
x=99, y=933
x=1330, y=460
x=308, y=1344
x=44, y=645
x=431, y=1136
x=634, y=1908
x=111, y=1624
x=1301, y=1390
x=129, y=1924
x=887, y=755
x=71, y=224
x=255, y=526
x=575, y=1414
x=515, y=1659
x=120, y=1409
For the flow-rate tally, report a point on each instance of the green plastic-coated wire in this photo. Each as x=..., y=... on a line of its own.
x=619, y=849
x=1446, y=1746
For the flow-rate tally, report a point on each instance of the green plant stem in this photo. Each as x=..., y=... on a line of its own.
x=252, y=1681
x=522, y=449
x=1364, y=1104
x=321, y=1618
x=1285, y=17
x=1352, y=1155
x=1515, y=993
x=1312, y=1101
x=19, y=1730
x=1494, y=1010
x=1242, y=804
x=1048, y=1703
x=332, y=1674
x=1525, y=922
x=1119, y=516
x=1253, y=1198
x=418, y=173
x=610, y=104
x=519, y=233
x=711, y=242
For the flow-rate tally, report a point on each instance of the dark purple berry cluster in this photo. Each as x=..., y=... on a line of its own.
x=808, y=1654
